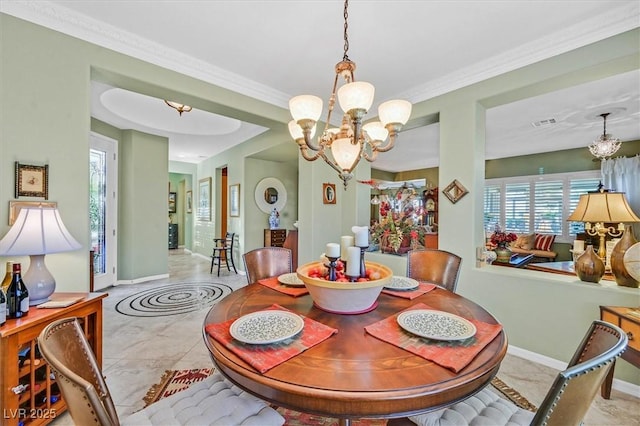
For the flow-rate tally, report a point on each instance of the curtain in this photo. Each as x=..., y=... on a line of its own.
x=623, y=175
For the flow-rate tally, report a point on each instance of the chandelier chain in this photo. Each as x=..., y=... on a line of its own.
x=346, y=26
x=605, y=124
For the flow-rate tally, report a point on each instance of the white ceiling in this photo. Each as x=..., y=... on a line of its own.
x=272, y=50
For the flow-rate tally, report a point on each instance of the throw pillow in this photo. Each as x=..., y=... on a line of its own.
x=525, y=242
x=544, y=242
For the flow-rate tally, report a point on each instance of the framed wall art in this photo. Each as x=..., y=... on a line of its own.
x=234, y=200
x=204, y=200
x=32, y=181
x=189, y=201
x=173, y=202
x=16, y=206
x=454, y=191
x=328, y=193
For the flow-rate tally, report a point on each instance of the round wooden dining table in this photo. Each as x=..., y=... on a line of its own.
x=353, y=374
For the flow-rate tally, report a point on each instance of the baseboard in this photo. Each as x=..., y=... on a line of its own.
x=619, y=385
x=142, y=279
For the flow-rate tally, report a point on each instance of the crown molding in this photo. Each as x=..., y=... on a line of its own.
x=64, y=20
x=600, y=27
x=58, y=18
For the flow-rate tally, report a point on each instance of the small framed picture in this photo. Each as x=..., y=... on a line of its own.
x=189, y=201
x=328, y=193
x=204, y=199
x=32, y=181
x=234, y=200
x=173, y=202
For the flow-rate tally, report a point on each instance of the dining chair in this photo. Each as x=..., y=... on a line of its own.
x=223, y=249
x=566, y=402
x=267, y=262
x=212, y=401
x=435, y=266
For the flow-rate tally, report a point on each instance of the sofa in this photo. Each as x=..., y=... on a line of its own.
x=539, y=245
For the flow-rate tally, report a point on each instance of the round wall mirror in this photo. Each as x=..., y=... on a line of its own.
x=270, y=194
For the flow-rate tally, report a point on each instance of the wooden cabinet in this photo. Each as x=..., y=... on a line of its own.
x=274, y=237
x=628, y=319
x=291, y=242
x=20, y=363
x=173, y=235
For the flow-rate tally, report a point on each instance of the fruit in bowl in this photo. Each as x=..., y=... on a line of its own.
x=344, y=297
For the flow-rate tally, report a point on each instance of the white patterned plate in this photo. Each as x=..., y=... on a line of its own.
x=436, y=325
x=264, y=327
x=290, y=280
x=631, y=261
x=402, y=283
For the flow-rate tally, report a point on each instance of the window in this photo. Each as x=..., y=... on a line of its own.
x=540, y=204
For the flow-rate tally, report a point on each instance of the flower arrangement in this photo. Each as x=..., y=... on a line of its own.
x=501, y=238
x=394, y=228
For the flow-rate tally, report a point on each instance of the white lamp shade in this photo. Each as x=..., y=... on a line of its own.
x=356, y=95
x=305, y=107
x=345, y=153
x=296, y=131
x=37, y=231
x=376, y=131
x=395, y=111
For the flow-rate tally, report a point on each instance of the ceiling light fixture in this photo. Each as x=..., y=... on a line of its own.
x=178, y=106
x=352, y=140
x=606, y=145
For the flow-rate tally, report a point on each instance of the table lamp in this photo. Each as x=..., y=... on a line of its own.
x=598, y=208
x=36, y=232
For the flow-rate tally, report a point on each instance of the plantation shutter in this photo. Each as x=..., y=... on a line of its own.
x=548, y=207
x=491, y=207
x=516, y=207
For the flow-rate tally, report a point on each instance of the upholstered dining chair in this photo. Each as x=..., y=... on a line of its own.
x=566, y=403
x=267, y=262
x=223, y=249
x=212, y=401
x=435, y=266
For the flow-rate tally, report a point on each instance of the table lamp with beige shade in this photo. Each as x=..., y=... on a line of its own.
x=596, y=210
x=36, y=232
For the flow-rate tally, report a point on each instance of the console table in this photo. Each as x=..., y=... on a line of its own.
x=628, y=319
x=39, y=402
x=565, y=268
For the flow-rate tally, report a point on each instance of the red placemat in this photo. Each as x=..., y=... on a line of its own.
x=454, y=355
x=410, y=294
x=274, y=284
x=265, y=357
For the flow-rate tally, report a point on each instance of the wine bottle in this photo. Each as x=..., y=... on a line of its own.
x=3, y=308
x=7, y=277
x=17, y=295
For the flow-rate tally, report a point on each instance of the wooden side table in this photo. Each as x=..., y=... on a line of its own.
x=628, y=319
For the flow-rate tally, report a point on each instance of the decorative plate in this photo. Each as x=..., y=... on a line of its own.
x=264, y=327
x=402, y=283
x=290, y=280
x=436, y=325
x=631, y=261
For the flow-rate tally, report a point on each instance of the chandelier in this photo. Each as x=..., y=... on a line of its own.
x=178, y=106
x=605, y=146
x=343, y=147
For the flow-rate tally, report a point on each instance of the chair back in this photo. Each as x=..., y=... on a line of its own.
x=266, y=262
x=435, y=266
x=66, y=349
x=570, y=397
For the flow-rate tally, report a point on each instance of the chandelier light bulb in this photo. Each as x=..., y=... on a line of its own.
x=345, y=153
x=395, y=111
x=356, y=96
x=376, y=131
x=296, y=131
x=305, y=107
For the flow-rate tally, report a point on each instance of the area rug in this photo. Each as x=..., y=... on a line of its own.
x=173, y=381
x=173, y=299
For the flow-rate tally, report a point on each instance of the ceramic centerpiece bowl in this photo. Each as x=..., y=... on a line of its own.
x=345, y=297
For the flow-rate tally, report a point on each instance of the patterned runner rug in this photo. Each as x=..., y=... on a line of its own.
x=173, y=381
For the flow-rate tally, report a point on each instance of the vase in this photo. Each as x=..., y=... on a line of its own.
x=503, y=254
x=589, y=267
x=618, y=268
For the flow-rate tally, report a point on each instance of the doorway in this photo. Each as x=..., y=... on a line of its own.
x=103, y=209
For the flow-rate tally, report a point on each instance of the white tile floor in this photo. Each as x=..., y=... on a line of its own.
x=138, y=350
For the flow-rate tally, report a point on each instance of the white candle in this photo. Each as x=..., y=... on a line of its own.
x=333, y=250
x=346, y=241
x=578, y=245
x=361, y=235
x=353, y=261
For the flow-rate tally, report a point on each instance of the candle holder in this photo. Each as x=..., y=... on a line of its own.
x=363, y=269
x=332, y=268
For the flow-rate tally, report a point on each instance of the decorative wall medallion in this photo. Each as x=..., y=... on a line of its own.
x=454, y=191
